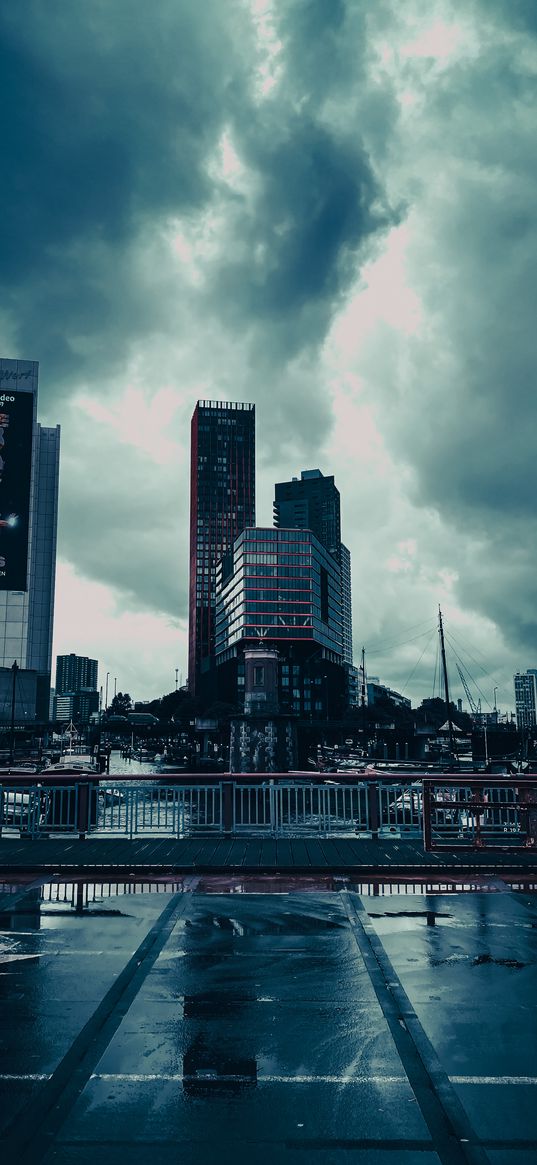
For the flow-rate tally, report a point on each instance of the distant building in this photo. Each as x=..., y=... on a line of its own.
x=312, y=502
x=282, y=589
x=525, y=698
x=29, y=474
x=346, y=603
x=222, y=504
x=76, y=696
x=377, y=692
x=75, y=672
x=79, y=706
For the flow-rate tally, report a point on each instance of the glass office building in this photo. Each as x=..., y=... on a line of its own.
x=26, y=611
x=282, y=588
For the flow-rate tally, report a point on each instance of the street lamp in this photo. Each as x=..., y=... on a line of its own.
x=106, y=692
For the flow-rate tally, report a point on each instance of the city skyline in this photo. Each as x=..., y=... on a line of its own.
x=326, y=210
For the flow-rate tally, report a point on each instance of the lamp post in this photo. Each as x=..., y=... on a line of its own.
x=106, y=692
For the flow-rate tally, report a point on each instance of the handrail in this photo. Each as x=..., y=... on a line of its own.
x=447, y=810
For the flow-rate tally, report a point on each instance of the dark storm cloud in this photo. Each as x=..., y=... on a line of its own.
x=114, y=113
x=314, y=207
x=459, y=399
x=516, y=14
x=111, y=111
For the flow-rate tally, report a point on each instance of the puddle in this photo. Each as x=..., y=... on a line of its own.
x=410, y=914
x=207, y=1071
x=80, y=896
x=214, y=1005
x=486, y=960
x=288, y=924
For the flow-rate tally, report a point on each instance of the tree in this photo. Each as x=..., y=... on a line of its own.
x=121, y=705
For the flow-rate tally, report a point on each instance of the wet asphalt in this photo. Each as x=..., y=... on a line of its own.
x=298, y=1027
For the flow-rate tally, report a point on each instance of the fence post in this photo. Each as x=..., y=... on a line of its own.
x=426, y=811
x=228, y=792
x=82, y=810
x=373, y=809
x=528, y=799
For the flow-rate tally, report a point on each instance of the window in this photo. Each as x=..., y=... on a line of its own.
x=259, y=676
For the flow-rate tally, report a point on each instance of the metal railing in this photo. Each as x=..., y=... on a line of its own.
x=179, y=810
x=479, y=813
x=448, y=812
x=293, y=809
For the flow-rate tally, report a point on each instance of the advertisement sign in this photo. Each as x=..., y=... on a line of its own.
x=16, y=428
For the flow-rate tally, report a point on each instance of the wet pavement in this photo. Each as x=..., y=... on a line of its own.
x=316, y=1025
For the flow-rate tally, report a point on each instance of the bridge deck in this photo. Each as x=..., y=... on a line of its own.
x=250, y=854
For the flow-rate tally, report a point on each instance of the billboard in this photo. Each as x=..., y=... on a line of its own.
x=16, y=431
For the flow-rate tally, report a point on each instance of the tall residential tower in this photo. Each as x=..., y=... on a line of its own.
x=222, y=504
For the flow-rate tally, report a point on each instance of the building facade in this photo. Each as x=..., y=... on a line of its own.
x=75, y=672
x=526, y=698
x=311, y=502
x=27, y=610
x=76, y=695
x=222, y=504
x=281, y=588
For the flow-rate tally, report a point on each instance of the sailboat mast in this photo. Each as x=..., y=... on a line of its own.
x=446, y=685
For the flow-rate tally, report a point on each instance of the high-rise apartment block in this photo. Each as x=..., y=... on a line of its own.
x=75, y=672
x=76, y=696
x=526, y=698
x=29, y=472
x=222, y=504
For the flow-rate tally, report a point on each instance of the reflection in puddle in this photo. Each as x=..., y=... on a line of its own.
x=23, y=903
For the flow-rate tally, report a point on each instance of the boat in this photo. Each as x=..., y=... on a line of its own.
x=73, y=762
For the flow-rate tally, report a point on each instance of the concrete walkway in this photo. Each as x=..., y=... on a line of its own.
x=325, y=1028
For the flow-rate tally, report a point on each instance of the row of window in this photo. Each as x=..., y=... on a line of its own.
x=251, y=571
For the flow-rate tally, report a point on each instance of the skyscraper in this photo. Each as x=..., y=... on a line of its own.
x=526, y=698
x=222, y=504
x=29, y=473
x=312, y=502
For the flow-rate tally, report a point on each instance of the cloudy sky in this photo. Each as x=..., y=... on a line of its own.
x=326, y=207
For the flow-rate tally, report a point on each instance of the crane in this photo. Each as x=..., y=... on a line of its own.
x=475, y=708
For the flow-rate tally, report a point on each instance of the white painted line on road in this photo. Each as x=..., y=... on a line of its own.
x=25, y=1076
x=148, y=1077
x=493, y=1079
x=139, y=1077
